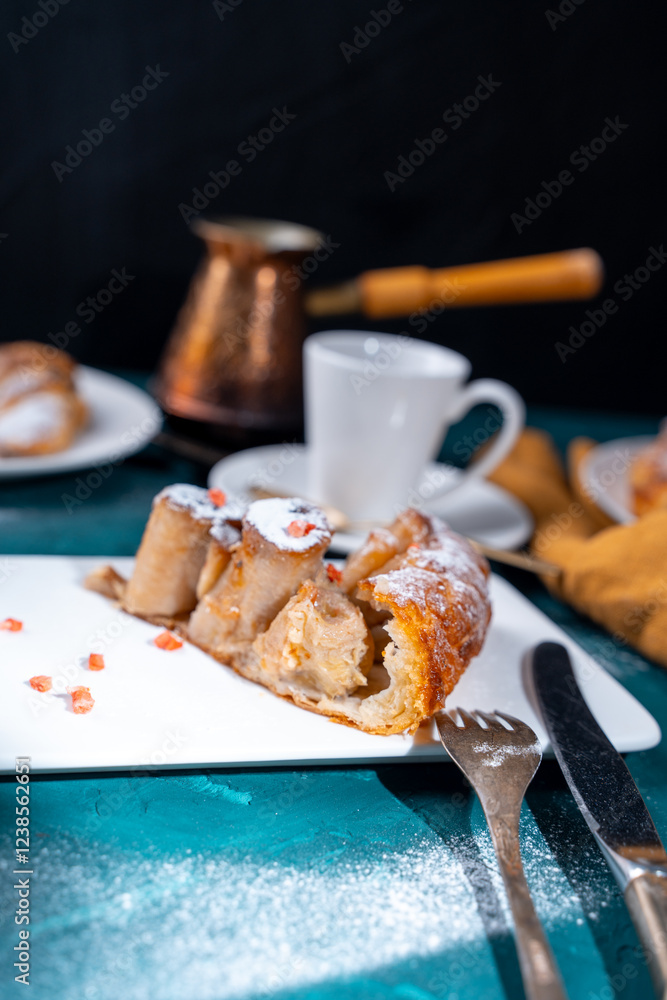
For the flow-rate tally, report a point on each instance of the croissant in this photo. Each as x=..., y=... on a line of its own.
x=40, y=411
x=377, y=646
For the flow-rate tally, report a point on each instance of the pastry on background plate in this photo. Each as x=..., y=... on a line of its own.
x=377, y=645
x=648, y=475
x=40, y=411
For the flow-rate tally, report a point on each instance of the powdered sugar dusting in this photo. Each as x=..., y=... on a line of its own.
x=447, y=553
x=32, y=419
x=220, y=924
x=495, y=755
x=196, y=500
x=272, y=518
x=225, y=533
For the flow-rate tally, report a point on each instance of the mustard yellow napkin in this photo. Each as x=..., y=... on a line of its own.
x=615, y=574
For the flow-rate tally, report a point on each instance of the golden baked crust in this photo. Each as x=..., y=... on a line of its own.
x=40, y=411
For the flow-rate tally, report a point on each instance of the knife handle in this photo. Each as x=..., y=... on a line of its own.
x=646, y=898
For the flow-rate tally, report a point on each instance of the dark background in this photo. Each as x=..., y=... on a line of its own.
x=227, y=71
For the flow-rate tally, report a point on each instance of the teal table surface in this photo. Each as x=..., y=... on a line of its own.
x=362, y=882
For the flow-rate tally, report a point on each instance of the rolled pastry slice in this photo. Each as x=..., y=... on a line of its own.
x=319, y=644
x=282, y=545
x=435, y=596
x=433, y=605
x=174, y=551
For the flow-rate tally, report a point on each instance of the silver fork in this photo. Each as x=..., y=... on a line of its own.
x=500, y=763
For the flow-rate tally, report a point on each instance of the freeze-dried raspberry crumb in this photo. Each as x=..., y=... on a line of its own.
x=82, y=700
x=11, y=625
x=297, y=529
x=217, y=497
x=335, y=575
x=96, y=661
x=41, y=683
x=167, y=640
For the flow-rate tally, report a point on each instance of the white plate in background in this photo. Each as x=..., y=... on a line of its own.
x=604, y=474
x=155, y=708
x=123, y=419
x=481, y=510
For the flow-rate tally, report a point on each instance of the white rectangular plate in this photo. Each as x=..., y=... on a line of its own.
x=155, y=708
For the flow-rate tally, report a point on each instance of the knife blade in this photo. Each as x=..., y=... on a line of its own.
x=608, y=799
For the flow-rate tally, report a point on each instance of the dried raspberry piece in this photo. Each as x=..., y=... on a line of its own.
x=217, y=497
x=335, y=575
x=167, y=640
x=11, y=625
x=96, y=661
x=41, y=683
x=82, y=700
x=297, y=529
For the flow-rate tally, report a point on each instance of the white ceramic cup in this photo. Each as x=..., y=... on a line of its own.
x=378, y=407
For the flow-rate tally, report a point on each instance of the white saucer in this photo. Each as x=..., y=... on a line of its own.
x=481, y=510
x=123, y=418
x=604, y=473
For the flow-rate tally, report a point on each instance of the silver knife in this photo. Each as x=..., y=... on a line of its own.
x=609, y=801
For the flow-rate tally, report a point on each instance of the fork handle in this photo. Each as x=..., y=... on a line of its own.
x=541, y=979
x=646, y=896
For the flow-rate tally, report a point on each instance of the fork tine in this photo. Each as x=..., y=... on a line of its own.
x=491, y=722
x=444, y=720
x=466, y=718
x=516, y=724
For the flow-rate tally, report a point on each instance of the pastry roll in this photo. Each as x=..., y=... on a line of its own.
x=282, y=545
x=40, y=411
x=174, y=551
x=380, y=650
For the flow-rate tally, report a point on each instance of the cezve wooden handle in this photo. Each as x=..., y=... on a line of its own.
x=399, y=291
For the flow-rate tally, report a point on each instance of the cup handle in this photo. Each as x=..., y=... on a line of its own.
x=512, y=407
